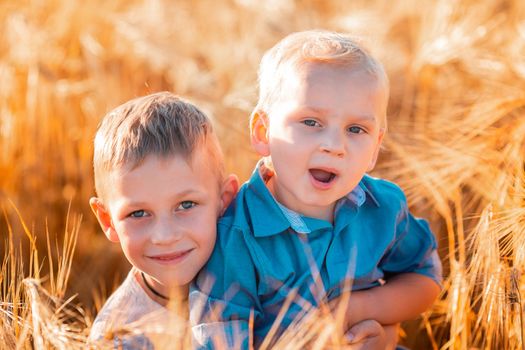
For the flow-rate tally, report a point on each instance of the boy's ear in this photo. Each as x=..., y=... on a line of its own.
x=229, y=189
x=376, y=152
x=259, y=124
x=104, y=219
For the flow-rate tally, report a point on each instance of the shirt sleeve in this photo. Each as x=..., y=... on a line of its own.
x=414, y=249
x=129, y=306
x=223, y=298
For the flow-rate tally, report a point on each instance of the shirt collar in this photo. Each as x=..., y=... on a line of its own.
x=369, y=195
x=266, y=216
x=295, y=219
x=361, y=193
x=270, y=217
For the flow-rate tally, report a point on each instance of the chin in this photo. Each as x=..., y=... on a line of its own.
x=180, y=282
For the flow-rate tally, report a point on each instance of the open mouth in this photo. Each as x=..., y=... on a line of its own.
x=323, y=176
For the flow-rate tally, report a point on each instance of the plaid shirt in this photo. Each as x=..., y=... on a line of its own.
x=265, y=250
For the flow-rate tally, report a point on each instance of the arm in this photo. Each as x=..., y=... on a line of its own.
x=223, y=297
x=404, y=297
x=415, y=273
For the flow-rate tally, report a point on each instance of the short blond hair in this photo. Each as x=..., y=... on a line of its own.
x=318, y=46
x=160, y=124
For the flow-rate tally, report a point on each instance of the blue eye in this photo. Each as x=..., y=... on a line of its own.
x=356, y=130
x=185, y=205
x=311, y=122
x=138, y=214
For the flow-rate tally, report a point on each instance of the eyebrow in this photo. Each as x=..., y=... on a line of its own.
x=185, y=193
x=364, y=118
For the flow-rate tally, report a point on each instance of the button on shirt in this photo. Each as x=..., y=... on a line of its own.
x=266, y=252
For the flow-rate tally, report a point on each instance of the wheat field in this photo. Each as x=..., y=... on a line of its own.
x=455, y=144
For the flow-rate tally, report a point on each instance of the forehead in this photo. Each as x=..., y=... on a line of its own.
x=333, y=74
x=322, y=86
x=168, y=174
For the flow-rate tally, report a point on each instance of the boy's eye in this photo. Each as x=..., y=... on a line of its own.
x=138, y=214
x=185, y=205
x=356, y=130
x=311, y=122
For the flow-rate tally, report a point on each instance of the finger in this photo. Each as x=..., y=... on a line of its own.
x=391, y=334
x=363, y=330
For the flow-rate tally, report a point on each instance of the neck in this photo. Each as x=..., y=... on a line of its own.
x=152, y=289
x=160, y=293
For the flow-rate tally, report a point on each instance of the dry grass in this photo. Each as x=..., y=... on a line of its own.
x=455, y=143
x=31, y=316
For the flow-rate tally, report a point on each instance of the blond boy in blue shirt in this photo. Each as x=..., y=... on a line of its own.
x=310, y=220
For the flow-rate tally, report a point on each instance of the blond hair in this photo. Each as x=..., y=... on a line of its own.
x=159, y=124
x=317, y=46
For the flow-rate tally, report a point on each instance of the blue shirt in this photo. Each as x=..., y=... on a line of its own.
x=265, y=251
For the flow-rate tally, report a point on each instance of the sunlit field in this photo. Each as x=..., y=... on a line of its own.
x=455, y=144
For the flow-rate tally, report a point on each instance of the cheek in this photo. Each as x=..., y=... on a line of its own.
x=286, y=148
x=372, y=146
x=133, y=250
x=131, y=236
x=130, y=231
x=204, y=228
x=206, y=242
x=208, y=230
x=130, y=244
x=281, y=131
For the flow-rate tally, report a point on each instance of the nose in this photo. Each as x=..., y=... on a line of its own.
x=165, y=232
x=333, y=143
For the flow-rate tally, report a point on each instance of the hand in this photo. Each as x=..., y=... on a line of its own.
x=367, y=334
x=391, y=332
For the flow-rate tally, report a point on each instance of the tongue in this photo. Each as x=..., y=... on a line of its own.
x=321, y=175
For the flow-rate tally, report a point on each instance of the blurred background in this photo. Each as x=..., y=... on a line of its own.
x=455, y=144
